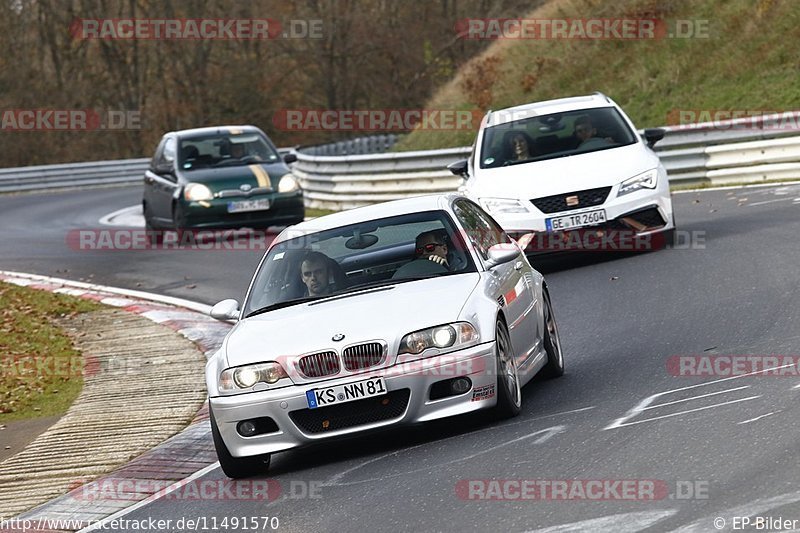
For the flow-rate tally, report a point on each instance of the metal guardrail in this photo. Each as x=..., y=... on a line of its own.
x=92, y=174
x=724, y=152
x=372, y=144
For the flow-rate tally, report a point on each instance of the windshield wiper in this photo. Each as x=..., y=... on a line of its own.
x=245, y=160
x=280, y=305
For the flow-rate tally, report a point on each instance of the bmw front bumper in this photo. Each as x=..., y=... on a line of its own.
x=413, y=380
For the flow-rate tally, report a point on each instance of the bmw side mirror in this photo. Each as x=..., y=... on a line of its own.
x=289, y=158
x=225, y=310
x=459, y=168
x=500, y=254
x=653, y=135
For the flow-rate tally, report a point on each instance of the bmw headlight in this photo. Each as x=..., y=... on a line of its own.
x=288, y=183
x=196, y=192
x=245, y=377
x=503, y=205
x=645, y=180
x=456, y=335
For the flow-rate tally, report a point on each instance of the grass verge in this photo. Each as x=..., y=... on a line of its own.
x=42, y=373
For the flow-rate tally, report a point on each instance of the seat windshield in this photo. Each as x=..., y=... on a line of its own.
x=543, y=137
x=359, y=256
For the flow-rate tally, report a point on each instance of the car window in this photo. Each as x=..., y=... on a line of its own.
x=225, y=149
x=543, y=137
x=481, y=229
x=357, y=255
x=168, y=154
x=157, y=155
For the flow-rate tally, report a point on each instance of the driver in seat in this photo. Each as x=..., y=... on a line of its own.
x=431, y=256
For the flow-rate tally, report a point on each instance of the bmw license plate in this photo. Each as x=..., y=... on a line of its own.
x=345, y=393
x=248, y=205
x=588, y=218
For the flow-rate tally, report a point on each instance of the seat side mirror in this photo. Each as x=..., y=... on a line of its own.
x=653, y=135
x=459, y=168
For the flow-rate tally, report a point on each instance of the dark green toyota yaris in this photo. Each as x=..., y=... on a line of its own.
x=220, y=177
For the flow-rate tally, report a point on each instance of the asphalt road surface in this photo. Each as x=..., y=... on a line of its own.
x=713, y=448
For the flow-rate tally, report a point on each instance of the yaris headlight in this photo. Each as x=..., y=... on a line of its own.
x=288, y=183
x=245, y=377
x=196, y=192
x=503, y=205
x=456, y=335
x=645, y=180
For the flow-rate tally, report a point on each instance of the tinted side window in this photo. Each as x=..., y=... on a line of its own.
x=170, y=151
x=482, y=231
x=157, y=155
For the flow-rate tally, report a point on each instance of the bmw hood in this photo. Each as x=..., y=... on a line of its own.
x=603, y=168
x=385, y=313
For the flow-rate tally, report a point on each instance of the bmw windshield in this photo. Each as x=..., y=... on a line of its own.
x=359, y=256
x=543, y=137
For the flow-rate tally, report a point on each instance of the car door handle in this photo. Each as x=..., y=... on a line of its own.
x=518, y=265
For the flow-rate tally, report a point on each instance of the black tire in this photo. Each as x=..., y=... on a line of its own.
x=509, y=392
x=554, y=367
x=236, y=467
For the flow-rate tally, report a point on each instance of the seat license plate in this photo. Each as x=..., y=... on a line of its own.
x=588, y=218
x=345, y=393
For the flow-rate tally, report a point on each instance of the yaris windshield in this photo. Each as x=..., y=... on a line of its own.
x=543, y=137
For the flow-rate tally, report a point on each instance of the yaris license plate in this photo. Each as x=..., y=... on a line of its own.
x=588, y=218
x=248, y=205
x=345, y=393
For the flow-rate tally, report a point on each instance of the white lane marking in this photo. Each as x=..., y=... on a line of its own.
x=752, y=204
x=687, y=411
x=618, y=523
x=756, y=418
x=127, y=216
x=545, y=434
x=150, y=499
x=758, y=507
x=638, y=408
x=694, y=398
x=336, y=477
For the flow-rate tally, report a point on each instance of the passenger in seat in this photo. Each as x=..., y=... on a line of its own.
x=586, y=133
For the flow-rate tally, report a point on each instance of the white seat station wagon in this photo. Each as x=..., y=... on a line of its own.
x=571, y=170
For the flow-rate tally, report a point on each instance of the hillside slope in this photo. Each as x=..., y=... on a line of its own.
x=748, y=62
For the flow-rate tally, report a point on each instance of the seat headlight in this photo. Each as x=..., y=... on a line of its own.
x=196, y=192
x=288, y=183
x=245, y=377
x=645, y=180
x=503, y=205
x=456, y=335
